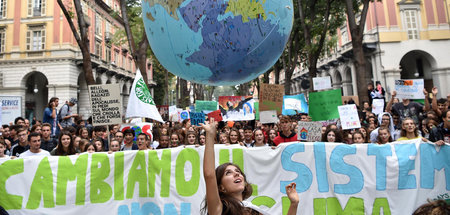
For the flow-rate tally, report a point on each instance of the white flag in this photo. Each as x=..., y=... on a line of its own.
x=140, y=103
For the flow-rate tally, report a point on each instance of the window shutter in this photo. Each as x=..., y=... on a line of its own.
x=42, y=7
x=43, y=39
x=30, y=7
x=28, y=40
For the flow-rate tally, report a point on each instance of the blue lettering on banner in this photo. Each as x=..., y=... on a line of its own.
x=320, y=157
x=431, y=160
x=337, y=164
x=404, y=151
x=304, y=178
x=152, y=208
x=381, y=152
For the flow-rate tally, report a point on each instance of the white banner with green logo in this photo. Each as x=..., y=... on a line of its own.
x=331, y=179
x=140, y=102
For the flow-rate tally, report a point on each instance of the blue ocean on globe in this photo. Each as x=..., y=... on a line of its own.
x=218, y=42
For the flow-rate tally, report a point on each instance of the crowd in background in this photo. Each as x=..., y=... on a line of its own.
x=63, y=133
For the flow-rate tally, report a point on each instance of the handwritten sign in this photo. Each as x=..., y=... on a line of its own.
x=378, y=106
x=349, y=116
x=323, y=105
x=271, y=97
x=269, y=116
x=322, y=83
x=309, y=131
x=205, y=106
x=410, y=89
x=197, y=118
x=292, y=103
x=217, y=115
x=11, y=108
x=106, y=104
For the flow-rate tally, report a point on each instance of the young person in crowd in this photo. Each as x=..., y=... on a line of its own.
x=142, y=141
x=384, y=136
x=98, y=144
x=286, y=134
x=48, y=143
x=385, y=120
x=441, y=133
x=115, y=146
x=332, y=135
x=227, y=186
x=90, y=148
x=223, y=138
x=191, y=138
x=3, y=149
x=65, y=145
x=34, y=141
x=358, y=138
x=50, y=116
x=409, y=130
x=271, y=137
x=259, y=138
x=164, y=141
x=248, y=136
x=234, y=137
x=128, y=141
x=174, y=140
x=22, y=144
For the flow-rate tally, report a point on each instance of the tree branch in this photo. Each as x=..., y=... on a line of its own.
x=362, y=21
x=69, y=20
x=131, y=44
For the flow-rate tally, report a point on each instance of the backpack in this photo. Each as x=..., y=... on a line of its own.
x=59, y=116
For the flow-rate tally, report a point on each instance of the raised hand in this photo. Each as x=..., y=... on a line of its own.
x=292, y=193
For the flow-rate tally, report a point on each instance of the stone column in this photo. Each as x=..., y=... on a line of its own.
x=441, y=80
x=390, y=76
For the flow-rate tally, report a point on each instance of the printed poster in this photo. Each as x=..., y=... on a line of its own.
x=410, y=89
x=106, y=104
x=236, y=108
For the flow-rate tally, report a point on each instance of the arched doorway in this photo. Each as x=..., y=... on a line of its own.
x=36, y=95
x=347, y=86
x=336, y=80
x=418, y=64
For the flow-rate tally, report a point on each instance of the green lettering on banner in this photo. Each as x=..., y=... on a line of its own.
x=320, y=206
x=137, y=173
x=100, y=192
x=381, y=203
x=159, y=167
x=69, y=172
x=255, y=189
x=42, y=186
x=187, y=188
x=355, y=206
x=238, y=157
x=8, y=169
x=263, y=200
x=118, y=176
x=285, y=204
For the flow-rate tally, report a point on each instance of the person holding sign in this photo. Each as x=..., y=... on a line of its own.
x=407, y=108
x=227, y=186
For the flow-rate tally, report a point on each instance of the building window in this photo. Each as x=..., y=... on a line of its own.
x=36, y=7
x=36, y=39
x=3, y=9
x=98, y=25
x=98, y=48
x=108, y=54
x=116, y=57
x=2, y=40
x=344, y=35
x=124, y=61
x=411, y=22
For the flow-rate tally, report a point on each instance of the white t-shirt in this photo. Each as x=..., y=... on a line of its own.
x=28, y=153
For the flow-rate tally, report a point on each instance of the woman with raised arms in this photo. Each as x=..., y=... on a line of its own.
x=227, y=186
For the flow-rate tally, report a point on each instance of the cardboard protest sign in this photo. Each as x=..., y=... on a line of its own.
x=339, y=178
x=271, y=97
x=377, y=106
x=205, y=106
x=322, y=83
x=292, y=103
x=323, y=105
x=197, y=118
x=309, y=131
x=347, y=99
x=349, y=117
x=409, y=89
x=11, y=108
x=106, y=104
x=216, y=115
x=237, y=108
x=269, y=116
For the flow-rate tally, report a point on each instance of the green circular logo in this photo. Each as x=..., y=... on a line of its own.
x=142, y=92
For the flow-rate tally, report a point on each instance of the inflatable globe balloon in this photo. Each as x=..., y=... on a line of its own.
x=218, y=42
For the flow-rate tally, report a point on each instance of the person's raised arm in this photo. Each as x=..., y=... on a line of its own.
x=434, y=104
x=426, y=106
x=209, y=171
x=53, y=105
x=389, y=104
x=293, y=198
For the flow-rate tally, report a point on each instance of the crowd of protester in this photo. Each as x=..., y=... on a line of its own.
x=64, y=133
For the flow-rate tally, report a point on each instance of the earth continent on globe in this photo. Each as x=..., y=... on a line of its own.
x=218, y=42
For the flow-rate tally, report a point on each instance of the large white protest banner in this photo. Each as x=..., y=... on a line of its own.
x=410, y=89
x=11, y=108
x=322, y=83
x=106, y=104
x=394, y=178
x=349, y=116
